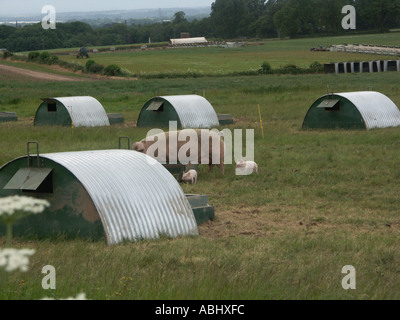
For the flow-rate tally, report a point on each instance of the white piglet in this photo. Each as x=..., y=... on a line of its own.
x=245, y=168
x=190, y=176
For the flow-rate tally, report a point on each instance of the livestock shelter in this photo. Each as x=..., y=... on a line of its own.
x=117, y=194
x=189, y=111
x=352, y=110
x=81, y=111
x=362, y=66
x=188, y=41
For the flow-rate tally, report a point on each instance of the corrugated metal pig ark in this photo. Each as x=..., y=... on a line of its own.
x=116, y=194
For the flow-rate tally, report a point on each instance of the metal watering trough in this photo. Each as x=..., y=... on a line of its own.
x=8, y=117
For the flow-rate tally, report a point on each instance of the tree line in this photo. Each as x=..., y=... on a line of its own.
x=229, y=19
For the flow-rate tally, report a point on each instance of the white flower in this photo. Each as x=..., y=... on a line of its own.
x=13, y=204
x=14, y=259
x=81, y=296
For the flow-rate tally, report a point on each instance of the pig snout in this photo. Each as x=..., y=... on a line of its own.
x=138, y=146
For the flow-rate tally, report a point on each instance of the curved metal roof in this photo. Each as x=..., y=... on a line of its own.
x=188, y=40
x=84, y=111
x=135, y=196
x=194, y=111
x=377, y=110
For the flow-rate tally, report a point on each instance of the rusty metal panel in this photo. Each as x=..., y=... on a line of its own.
x=84, y=111
x=377, y=110
x=194, y=111
x=135, y=196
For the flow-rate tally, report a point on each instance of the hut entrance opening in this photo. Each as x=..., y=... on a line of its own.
x=51, y=107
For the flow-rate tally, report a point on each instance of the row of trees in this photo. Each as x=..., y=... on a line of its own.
x=293, y=18
x=228, y=19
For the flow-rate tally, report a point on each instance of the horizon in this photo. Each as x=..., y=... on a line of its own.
x=34, y=7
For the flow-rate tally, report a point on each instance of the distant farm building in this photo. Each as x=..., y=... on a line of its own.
x=116, y=194
x=188, y=41
x=189, y=111
x=67, y=111
x=366, y=49
x=352, y=110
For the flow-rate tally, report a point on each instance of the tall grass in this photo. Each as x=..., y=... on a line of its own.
x=303, y=265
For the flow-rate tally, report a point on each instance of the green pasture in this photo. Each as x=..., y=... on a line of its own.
x=217, y=60
x=322, y=199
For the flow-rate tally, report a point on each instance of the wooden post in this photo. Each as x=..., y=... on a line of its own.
x=262, y=129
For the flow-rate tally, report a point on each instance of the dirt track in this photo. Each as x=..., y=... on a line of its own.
x=44, y=76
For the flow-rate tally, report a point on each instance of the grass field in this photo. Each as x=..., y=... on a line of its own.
x=322, y=199
x=220, y=61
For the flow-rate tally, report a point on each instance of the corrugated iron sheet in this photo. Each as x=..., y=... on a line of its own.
x=194, y=111
x=85, y=111
x=377, y=110
x=135, y=196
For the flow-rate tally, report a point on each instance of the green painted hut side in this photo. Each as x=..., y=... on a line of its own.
x=189, y=111
x=352, y=110
x=81, y=111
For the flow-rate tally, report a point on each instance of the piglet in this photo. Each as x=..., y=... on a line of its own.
x=190, y=176
x=245, y=168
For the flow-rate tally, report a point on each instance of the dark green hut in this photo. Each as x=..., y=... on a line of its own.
x=352, y=110
x=67, y=111
x=189, y=111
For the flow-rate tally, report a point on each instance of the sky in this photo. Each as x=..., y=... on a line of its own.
x=35, y=6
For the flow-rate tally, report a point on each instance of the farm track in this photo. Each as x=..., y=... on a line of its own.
x=38, y=75
x=46, y=76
